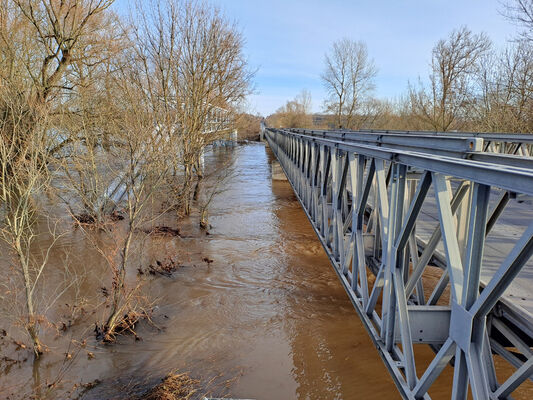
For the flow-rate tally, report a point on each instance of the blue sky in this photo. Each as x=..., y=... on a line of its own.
x=286, y=40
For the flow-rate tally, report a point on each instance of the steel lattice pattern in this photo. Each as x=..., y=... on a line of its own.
x=364, y=193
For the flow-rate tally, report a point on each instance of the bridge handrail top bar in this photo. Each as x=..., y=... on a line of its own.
x=384, y=133
x=454, y=137
x=448, y=142
x=389, y=150
x=512, y=178
x=497, y=136
x=455, y=146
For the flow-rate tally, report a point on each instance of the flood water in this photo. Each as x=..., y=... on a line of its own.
x=266, y=319
x=268, y=314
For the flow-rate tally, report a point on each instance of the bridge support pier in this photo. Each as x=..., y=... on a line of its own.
x=262, y=128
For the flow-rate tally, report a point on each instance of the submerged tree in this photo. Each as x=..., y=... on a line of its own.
x=39, y=43
x=23, y=175
x=167, y=88
x=195, y=73
x=144, y=157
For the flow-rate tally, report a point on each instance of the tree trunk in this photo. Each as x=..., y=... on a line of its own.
x=197, y=188
x=118, y=289
x=187, y=190
x=204, y=219
x=31, y=324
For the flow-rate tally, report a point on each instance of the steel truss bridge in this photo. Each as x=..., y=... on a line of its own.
x=389, y=208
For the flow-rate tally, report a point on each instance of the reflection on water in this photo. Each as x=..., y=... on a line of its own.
x=269, y=309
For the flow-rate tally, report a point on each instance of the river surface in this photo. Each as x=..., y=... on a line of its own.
x=267, y=319
x=269, y=309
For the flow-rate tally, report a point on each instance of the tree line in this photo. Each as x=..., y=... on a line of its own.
x=471, y=86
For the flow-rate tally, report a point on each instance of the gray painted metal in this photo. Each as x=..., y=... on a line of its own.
x=367, y=196
x=508, y=149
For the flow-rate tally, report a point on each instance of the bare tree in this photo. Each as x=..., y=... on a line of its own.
x=194, y=66
x=172, y=94
x=38, y=42
x=142, y=164
x=46, y=45
x=378, y=114
x=92, y=173
x=505, y=99
x=295, y=113
x=102, y=101
x=60, y=33
x=520, y=12
x=248, y=125
x=215, y=183
x=23, y=175
x=48, y=51
x=453, y=64
x=349, y=79
x=89, y=157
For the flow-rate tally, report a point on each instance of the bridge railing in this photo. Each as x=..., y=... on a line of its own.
x=507, y=149
x=505, y=143
x=369, y=203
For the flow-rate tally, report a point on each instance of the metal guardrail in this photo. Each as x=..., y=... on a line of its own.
x=505, y=143
x=505, y=149
x=364, y=201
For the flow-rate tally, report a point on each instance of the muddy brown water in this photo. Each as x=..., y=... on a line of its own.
x=267, y=319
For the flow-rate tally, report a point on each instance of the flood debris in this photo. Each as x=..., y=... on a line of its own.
x=83, y=388
x=125, y=326
x=19, y=345
x=128, y=322
x=7, y=362
x=162, y=231
x=166, y=268
x=174, y=386
x=85, y=219
x=91, y=219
